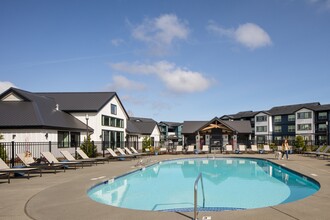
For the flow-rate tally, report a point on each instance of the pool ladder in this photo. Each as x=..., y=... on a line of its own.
x=199, y=178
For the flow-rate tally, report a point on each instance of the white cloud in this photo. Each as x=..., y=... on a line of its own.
x=122, y=83
x=117, y=42
x=323, y=4
x=249, y=35
x=160, y=33
x=5, y=85
x=176, y=79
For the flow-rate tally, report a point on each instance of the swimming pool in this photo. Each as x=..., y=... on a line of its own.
x=229, y=184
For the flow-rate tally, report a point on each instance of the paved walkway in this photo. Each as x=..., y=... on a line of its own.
x=63, y=195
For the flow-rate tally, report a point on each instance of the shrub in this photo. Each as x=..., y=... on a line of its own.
x=146, y=143
x=300, y=143
x=3, y=153
x=89, y=148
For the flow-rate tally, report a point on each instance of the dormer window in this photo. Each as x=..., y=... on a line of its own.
x=113, y=109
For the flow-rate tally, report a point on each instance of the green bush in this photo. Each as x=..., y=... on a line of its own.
x=3, y=153
x=89, y=148
x=146, y=143
x=300, y=143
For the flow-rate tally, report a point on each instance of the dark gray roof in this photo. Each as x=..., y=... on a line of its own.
x=171, y=124
x=321, y=107
x=290, y=109
x=81, y=101
x=239, y=126
x=139, y=119
x=239, y=115
x=35, y=111
x=190, y=127
x=135, y=126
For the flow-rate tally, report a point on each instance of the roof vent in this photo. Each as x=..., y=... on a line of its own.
x=57, y=107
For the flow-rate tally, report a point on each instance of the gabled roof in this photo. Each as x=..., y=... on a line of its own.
x=80, y=101
x=290, y=109
x=34, y=111
x=190, y=127
x=171, y=124
x=321, y=107
x=144, y=126
x=239, y=126
x=239, y=115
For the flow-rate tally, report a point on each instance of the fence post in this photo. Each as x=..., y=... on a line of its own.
x=50, y=146
x=92, y=150
x=103, y=148
x=12, y=154
x=75, y=152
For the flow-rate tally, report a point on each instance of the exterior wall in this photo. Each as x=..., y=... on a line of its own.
x=29, y=135
x=156, y=134
x=307, y=134
x=268, y=124
x=95, y=119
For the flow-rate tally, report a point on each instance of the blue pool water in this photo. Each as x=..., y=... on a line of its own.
x=229, y=183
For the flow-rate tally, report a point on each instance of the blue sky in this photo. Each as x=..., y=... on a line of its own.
x=170, y=60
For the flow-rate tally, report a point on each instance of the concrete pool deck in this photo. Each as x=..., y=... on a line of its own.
x=63, y=195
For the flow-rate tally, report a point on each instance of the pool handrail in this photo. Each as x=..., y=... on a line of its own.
x=200, y=177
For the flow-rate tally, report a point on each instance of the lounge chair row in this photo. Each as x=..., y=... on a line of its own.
x=243, y=149
x=320, y=151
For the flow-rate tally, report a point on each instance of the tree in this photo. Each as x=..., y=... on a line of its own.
x=146, y=143
x=300, y=143
x=3, y=154
x=88, y=147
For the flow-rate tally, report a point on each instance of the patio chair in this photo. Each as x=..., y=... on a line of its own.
x=241, y=148
x=123, y=153
x=254, y=148
x=69, y=157
x=267, y=148
x=318, y=150
x=130, y=152
x=163, y=150
x=4, y=168
x=114, y=155
x=229, y=148
x=323, y=152
x=84, y=156
x=178, y=149
x=51, y=159
x=205, y=149
x=190, y=149
x=136, y=152
x=30, y=162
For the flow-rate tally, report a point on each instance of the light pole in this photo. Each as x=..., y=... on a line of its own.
x=87, y=117
x=326, y=131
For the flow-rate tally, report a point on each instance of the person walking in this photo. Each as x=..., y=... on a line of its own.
x=285, y=149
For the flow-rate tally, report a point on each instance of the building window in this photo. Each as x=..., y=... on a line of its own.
x=322, y=127
x=112, y=139
x=277, y=138
x=304, y=127
x=291, y=118
x=323, y=115
x=304, y=115
x=63, y=139
x=278, y=118
x=75, y=139
x=261, y=128
x=291, y=128
x=261, y=118
x=113, y=109
x=113, y=122
x=277, y=128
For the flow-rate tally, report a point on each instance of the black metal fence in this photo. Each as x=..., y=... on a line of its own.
x=9, y=150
